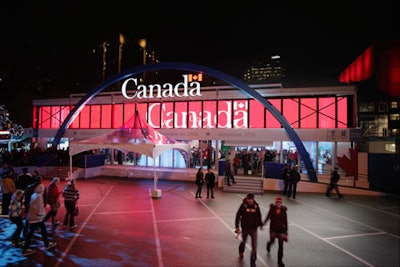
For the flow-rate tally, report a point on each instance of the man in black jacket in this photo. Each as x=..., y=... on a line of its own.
x=249, y=217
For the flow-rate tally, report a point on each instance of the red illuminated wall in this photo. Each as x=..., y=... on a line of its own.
x=313, y=112
x=380, y=61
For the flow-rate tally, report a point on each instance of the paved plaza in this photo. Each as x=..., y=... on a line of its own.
x=120, y=224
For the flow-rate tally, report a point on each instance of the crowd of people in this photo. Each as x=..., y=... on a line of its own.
x=29, y=204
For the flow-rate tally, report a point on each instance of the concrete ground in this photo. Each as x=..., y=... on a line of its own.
x=120, y=224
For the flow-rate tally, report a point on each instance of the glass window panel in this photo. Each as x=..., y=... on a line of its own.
x=291, y=111
x=257, y=114
x=342, y=112
x=271, y=121
x=75, y=122
x=45, y=117
x=167, y=115
x=95, y=116
x=154, y=115
x=64, y=112
x=117, y=120
x=327, y=112
x=142, y=110
x=240, y=114
x=55, y=117
x=209, y=114
x=225, y=113
x=129, y=111
x=85, y=117
x=308, y=113
x=181, y=116
x=106, y=116
x=195, y=119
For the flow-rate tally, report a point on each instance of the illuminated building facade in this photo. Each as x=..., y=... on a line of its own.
x=218, y=116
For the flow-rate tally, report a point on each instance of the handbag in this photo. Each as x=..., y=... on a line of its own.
x=76, y=210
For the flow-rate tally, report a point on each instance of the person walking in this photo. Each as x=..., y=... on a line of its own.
x=53, y=199
x=236, y=164
x=285, y=178
x=278, y=227
x=248, y=216
x=15, y=213
x=30, y=190
x=7, y=190
x=333, y=185
x=228, y=174
x=36, y=213
x=293, y=180
x=199, y=182
x=24, y=179
x=210, y=182
x=71, y=196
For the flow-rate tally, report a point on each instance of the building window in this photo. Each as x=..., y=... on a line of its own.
x=394, y=117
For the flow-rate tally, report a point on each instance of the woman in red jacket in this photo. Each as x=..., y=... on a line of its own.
x=53, y=199
x=278, y=227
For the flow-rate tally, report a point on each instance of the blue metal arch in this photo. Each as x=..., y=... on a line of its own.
x=197, y=68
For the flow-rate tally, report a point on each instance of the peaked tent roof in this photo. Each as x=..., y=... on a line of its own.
x=135, y=135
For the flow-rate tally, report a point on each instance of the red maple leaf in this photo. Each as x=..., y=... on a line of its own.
x=350, y=166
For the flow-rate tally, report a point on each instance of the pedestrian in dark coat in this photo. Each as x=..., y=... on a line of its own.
x=199, y=182
x=210, y=182
x=278, y=227
x=333, y=185
x=293, y=181
x=249, y=218
x=285, y=178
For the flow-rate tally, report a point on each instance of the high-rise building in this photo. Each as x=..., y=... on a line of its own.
x=266, y=71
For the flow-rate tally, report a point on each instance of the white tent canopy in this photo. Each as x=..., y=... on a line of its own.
x=134, y=136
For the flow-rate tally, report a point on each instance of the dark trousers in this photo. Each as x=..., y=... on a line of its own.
x=198, y=192
x=32, y=228
x=20, y=225
x=333, y=186
x=5, y=203
x=51, y=213
x=210, y=190
x=285, y=186
x=228, y=179
x=279, y=236
x=292, y=189
x=69, y=215
x=253, y=235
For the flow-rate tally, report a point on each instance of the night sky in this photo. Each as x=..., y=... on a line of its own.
x=53, y=41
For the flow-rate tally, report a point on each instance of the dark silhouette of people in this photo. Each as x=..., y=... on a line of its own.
x=210, y=182
x=293, y=180
x=199, y=182
x=285, y=178
x=333, y=185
